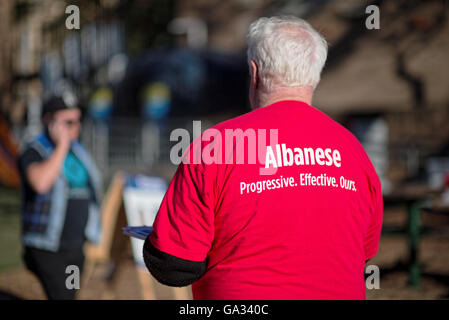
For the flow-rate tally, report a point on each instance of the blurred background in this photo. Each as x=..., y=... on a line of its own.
x=143, y=68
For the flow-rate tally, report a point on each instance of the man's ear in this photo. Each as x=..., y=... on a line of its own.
x=254, y=74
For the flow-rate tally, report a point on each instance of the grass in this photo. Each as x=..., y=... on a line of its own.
x=10, y=244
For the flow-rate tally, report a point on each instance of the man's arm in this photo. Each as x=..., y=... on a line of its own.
x=176, y=251
x=374, y=229
x=170, y=270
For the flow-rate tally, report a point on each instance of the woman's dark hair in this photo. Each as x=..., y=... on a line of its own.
x=57, y=103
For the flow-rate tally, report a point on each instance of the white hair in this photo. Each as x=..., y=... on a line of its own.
x=287, y=50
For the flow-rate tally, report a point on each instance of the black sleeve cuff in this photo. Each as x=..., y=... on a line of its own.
x=170, y=270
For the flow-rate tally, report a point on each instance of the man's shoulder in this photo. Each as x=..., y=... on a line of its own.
x=358, y=151
x=259, y=117
x=286, y=113
x=333, y=128
x=242, y=121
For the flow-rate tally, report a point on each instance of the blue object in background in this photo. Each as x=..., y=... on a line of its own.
x=156, y=98
x=146, y=182
x=100, y=104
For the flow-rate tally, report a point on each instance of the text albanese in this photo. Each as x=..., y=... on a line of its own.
x=284, y=156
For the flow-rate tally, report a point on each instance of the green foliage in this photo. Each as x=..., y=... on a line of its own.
x=10, y=245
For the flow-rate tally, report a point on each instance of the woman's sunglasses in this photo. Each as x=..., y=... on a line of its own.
x=71, y=123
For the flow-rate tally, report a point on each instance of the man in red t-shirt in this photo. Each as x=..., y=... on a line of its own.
x=279, y=203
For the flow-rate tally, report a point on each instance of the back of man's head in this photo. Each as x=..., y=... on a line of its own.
x=288, y=52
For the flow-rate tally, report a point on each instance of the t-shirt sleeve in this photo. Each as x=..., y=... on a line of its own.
x=184, y=225
x=27, y=158
x=372, y=238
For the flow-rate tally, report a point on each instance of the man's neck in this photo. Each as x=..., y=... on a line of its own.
x=303, y=94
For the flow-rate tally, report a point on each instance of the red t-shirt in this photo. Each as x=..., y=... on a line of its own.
x=302, y=232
